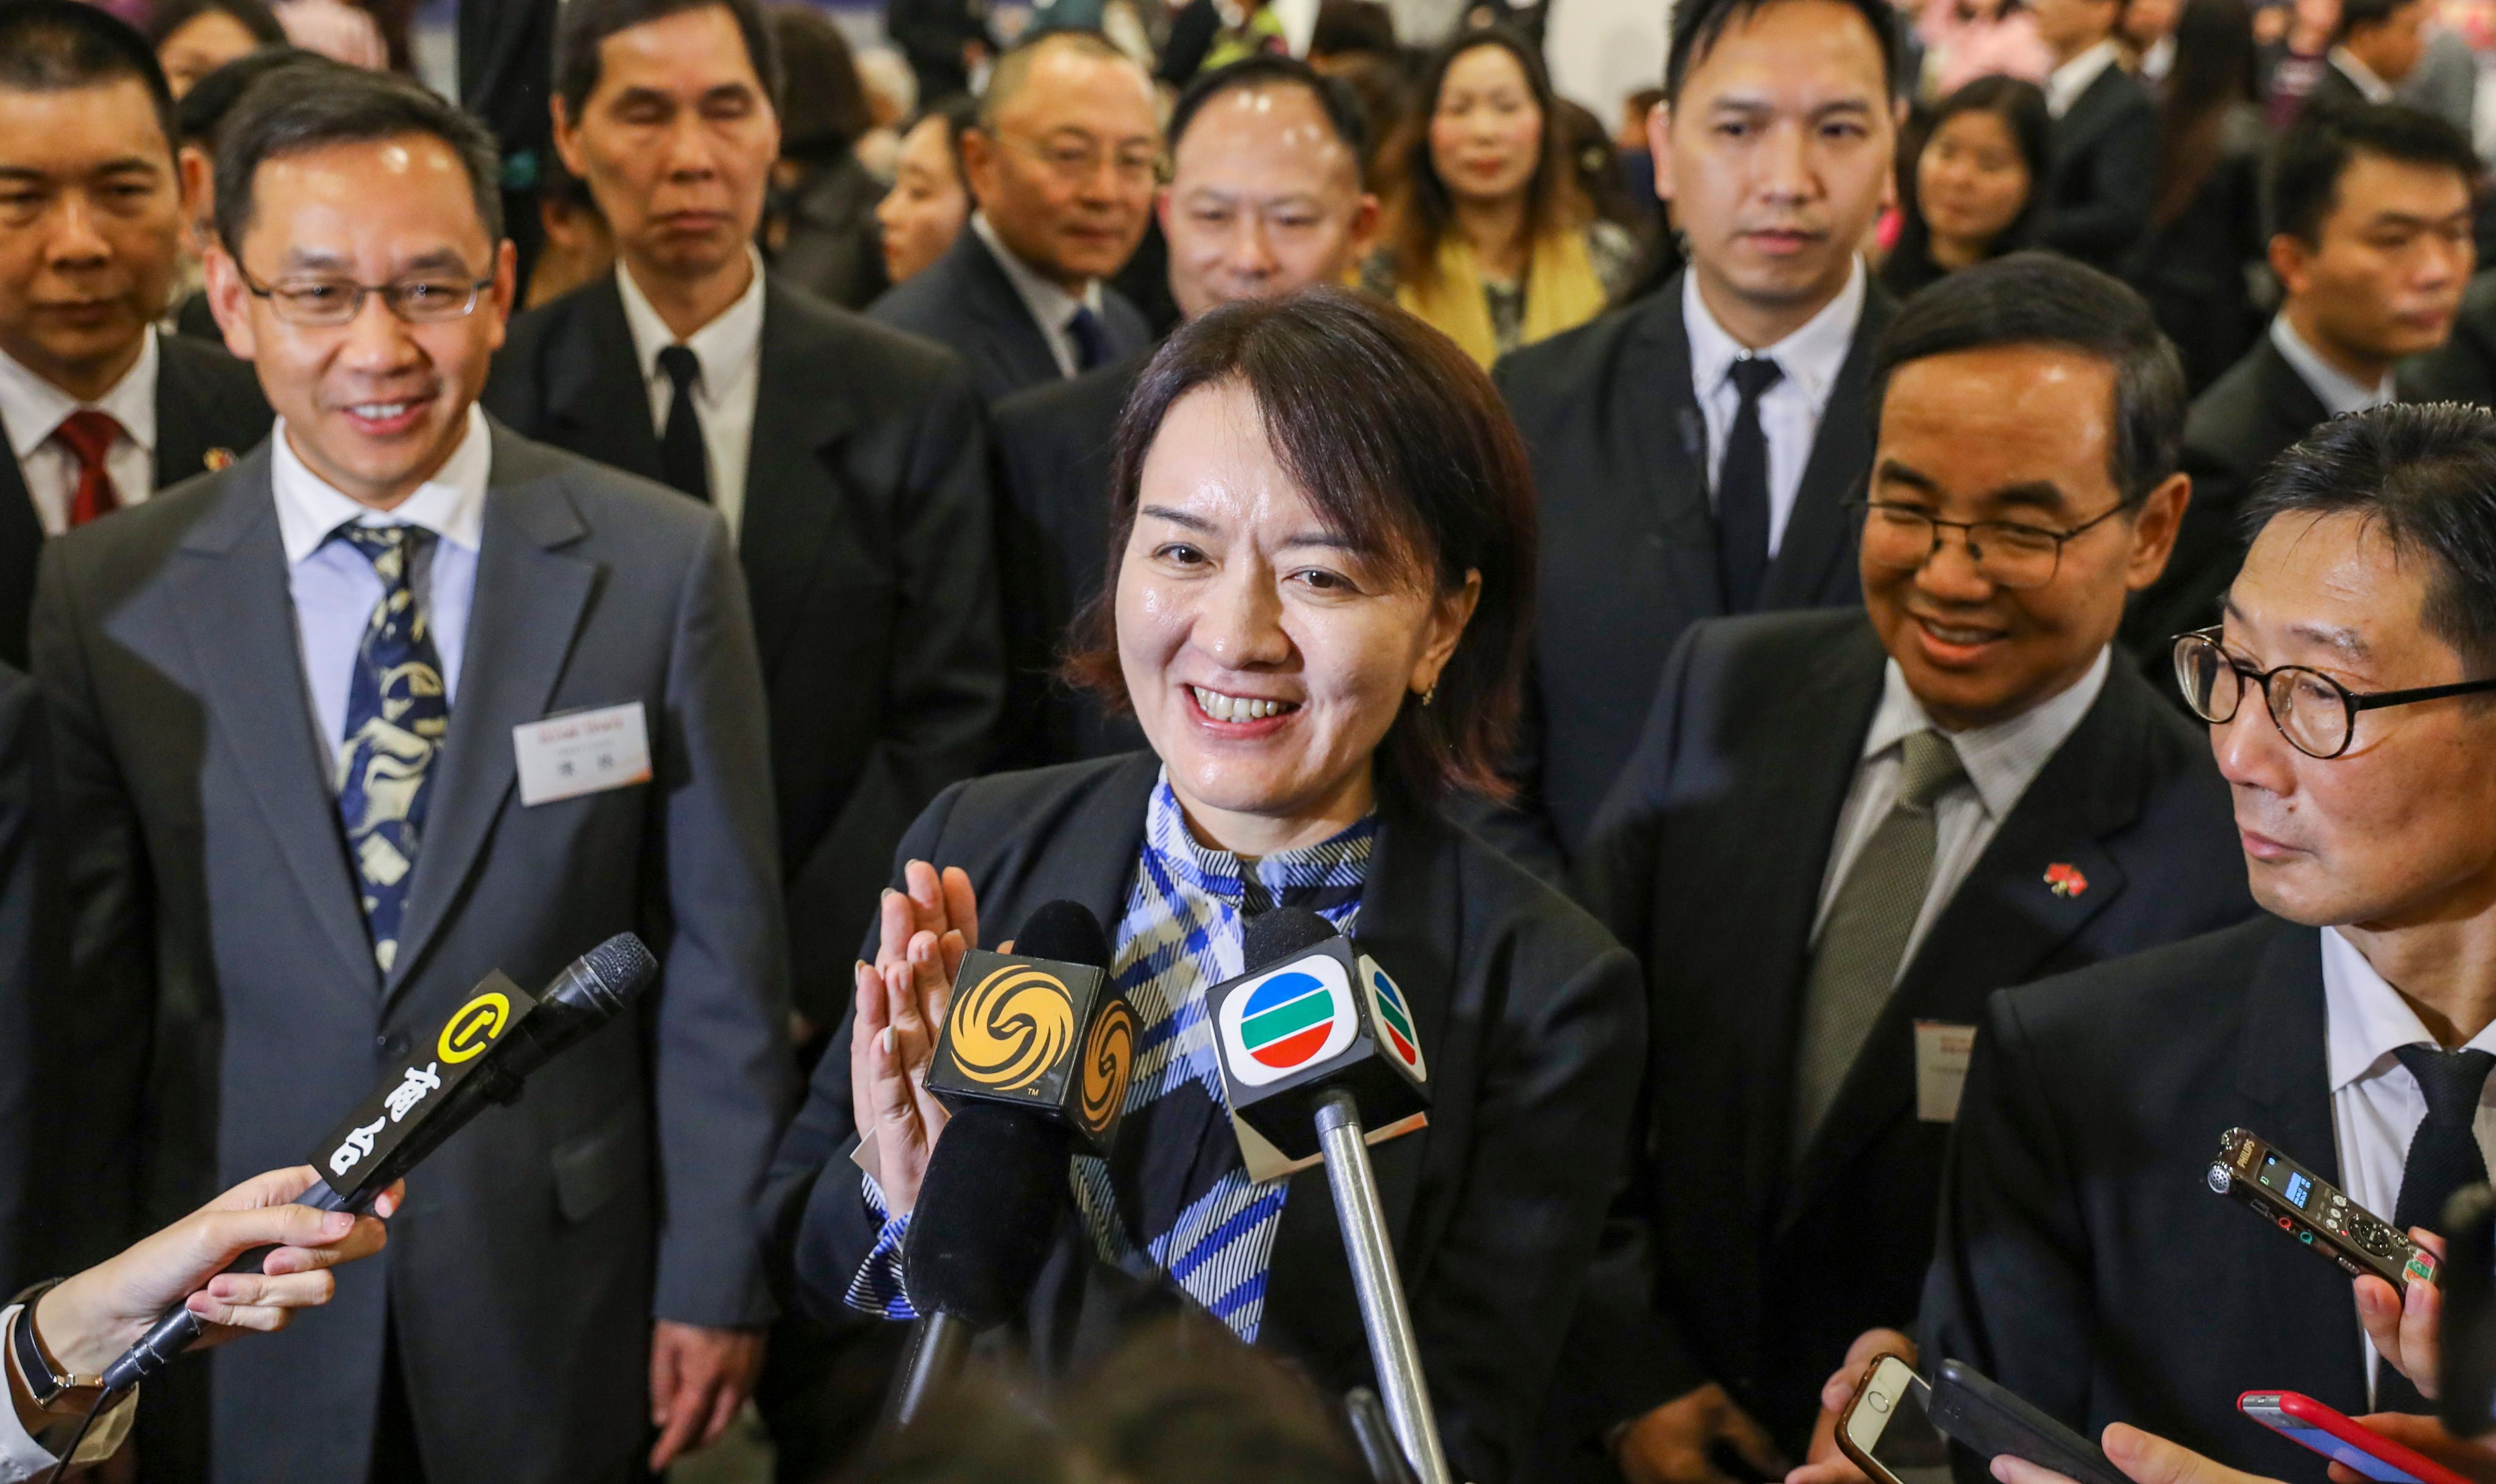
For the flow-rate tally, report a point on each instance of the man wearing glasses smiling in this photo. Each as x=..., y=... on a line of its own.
x=1063, y=163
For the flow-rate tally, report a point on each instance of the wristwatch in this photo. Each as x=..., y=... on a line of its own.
x=48, y=1388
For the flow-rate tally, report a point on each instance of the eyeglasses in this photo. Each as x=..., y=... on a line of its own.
x=2316, y=713
x=2006, y=553
x=1074, y=160
x=327, y=303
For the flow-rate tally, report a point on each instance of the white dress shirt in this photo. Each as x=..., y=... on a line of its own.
x=22, y=1458
x=33, y=407
x=2337, y=391
x=1790, y=412
x=730, y=349
x=2375, y=90
x=2376, y=1105
x=2001, y=762
x=1051, y=307
x=2065, y=85
x=334, y=586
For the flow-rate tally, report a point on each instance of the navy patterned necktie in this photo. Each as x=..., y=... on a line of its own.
x=1091, y=339
x=397, y=714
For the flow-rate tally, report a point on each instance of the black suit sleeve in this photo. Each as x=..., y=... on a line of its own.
x=2010, y=1288
x=944, y=681
x=25, y=922
x=2121, y=182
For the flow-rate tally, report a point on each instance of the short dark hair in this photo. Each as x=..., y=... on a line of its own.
x=959, y=112
x=2306, y=168
x=55, y=45
x=1266, y=69
x=211, y=100
x=822, y=109
x=2425, y=472
x=1401, y=441
x=1697, y=25
x=1346, y=26
x=585, y=25
x=344, y=105
x=167, y=16
x=2043, y=298
x=2357, y=14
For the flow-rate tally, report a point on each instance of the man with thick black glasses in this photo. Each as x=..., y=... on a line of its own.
x=1844, y=829
x=2347, y=691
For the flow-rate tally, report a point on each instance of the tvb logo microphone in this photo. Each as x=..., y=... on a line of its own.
x=1326, y=1017
x=1042, y=1035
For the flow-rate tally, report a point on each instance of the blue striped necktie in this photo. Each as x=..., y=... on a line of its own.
x=398, y=713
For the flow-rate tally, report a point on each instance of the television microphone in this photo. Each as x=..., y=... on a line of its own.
x=1032, y=1062
x=484, y=1054
x=1317, y=1045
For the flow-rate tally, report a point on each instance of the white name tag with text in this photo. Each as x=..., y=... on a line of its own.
x=1941, y=1053
x=582, y=752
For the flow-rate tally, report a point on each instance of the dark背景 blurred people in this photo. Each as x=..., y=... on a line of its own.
x=578, y=245
x=101, y=409
x=1978, y=180
x=1489, y=237
x=1965, y=40
x=1062, y=165
x=2376, y=44
x=2371, y=206
x=2147, y=34
x=1265, y=197
x=201, y=114
x=1693, y=451
x=928, y=204
x=194, y=38
x=2105, y=135
x=2205, y=234
x=821, y=230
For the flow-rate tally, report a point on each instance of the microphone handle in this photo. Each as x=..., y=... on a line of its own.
x=939, y=1344
x=1393, y=1351
x=177, y=1329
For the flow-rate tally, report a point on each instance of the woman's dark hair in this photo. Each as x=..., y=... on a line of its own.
x=167, y=16
x=960, y=113
x=1419, y=204
x=2425, y=474
x=2214, y=72
x=823, y=108
x=2043, y=298
x=1400, y=442
x=2021, y=106
x=1347, y=26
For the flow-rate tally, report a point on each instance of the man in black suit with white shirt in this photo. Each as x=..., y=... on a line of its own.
x=1695, y=451
x=99, y=408
x=1837, y=837
x=2103, y=167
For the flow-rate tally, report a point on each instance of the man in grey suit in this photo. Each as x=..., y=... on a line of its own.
x=297, y=709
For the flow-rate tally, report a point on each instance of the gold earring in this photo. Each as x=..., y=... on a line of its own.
x=1430, y=695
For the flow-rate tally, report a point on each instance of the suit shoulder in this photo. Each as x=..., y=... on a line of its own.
x=1056, y=409
x=2225, y=420
x=530, y=331
x=1564, y=370
x=211, y=363
x=611, y=499
x=928, y=301
x=1509, y=902
x=880, y=357
x=2094, y=1014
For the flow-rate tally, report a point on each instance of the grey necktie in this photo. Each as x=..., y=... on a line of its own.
x=1866, y=933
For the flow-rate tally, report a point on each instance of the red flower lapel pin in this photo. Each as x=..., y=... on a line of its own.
x=218, y=459
x=2066, y=879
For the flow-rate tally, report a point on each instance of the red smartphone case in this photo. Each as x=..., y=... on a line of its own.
x=2306, y=1412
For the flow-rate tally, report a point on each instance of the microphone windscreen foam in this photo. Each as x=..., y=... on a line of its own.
x=1064, y=931
x=987, y=1212
x=1272, y=936
x=621, y=965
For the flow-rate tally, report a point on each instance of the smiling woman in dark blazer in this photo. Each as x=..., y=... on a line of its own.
x=1324, y=554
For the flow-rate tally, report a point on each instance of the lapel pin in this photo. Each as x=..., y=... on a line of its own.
x=217, y=459
x=2066, y=879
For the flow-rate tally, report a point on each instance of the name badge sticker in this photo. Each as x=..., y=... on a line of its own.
x=1941, y=1053
x=582, y=752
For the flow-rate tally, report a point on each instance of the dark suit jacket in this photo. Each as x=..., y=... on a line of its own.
x=2464, y=369
x=2335, y=89
x=223, y=1006
x=1724, y=1262
x=1530, y=1018
x=205, y=399
x=29, y=929
x=2248, y=418
x=1629, y=534
x=2083, y=1262
x=2104, y=171
x=865, y=544
x=964, y=300
x=1054, y=455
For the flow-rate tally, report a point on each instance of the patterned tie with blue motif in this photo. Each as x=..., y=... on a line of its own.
x=397, y=714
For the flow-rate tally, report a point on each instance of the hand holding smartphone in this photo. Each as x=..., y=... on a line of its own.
x=2342, y=1438
x=1965, y=1407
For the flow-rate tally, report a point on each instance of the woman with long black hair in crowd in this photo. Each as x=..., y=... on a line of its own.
x=1975, y=189
x=1490, y=239
x=2206, y=222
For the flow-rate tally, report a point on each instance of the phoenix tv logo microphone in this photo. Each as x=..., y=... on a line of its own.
x=1041, y=1035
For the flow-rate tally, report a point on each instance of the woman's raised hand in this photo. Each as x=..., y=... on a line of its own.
x=902, y=996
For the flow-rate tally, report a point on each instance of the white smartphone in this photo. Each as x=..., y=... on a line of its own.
x=1885, y=1430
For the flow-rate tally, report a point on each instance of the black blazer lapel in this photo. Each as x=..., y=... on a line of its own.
x=594, y=389
x=991, y=296
x=233, y=580
x=789, y=509
x=2007, y=920
x=192, y=412
x=2290, y=407
x=1652, y=398
x=530, y=600
x=1816, y=559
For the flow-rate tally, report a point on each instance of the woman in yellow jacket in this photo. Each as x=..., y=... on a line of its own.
x=1489, y=237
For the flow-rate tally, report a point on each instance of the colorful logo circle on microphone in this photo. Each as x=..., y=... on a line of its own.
x=1109, y=1054
x=1011, y=1028
x=473, y=1027
x=1295, y=1017
x=1394, y=1019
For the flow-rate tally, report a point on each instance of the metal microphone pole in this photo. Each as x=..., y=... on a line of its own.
x=1391, y=1350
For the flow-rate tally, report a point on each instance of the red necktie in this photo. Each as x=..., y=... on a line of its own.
x=90, y=436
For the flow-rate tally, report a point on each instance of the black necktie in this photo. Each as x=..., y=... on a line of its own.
x=682, y=457
x=2444, y=1158
x=1091, y=339
x=1743, y=489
